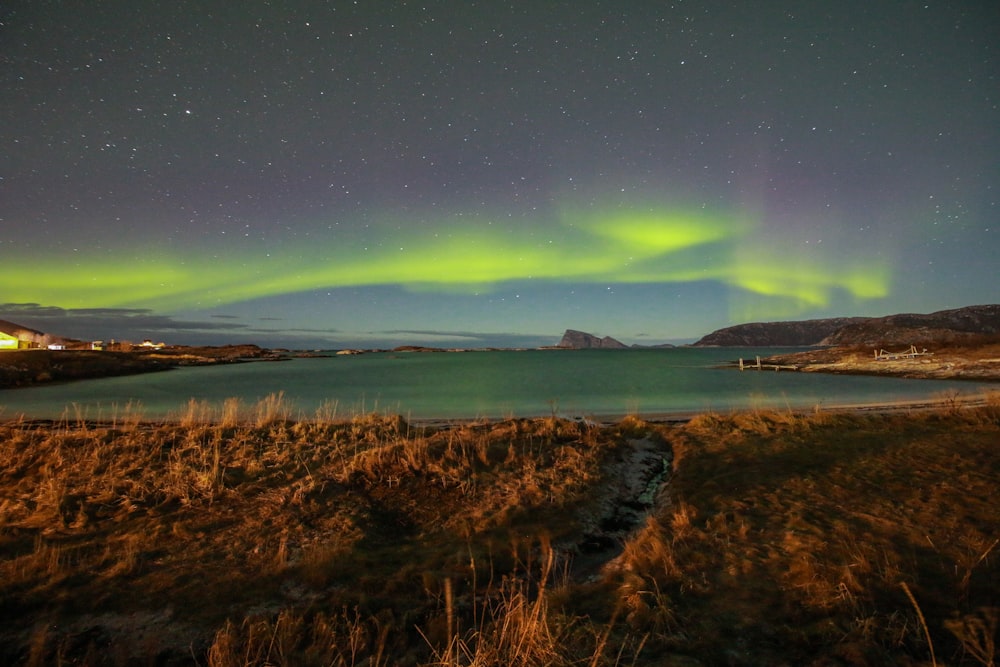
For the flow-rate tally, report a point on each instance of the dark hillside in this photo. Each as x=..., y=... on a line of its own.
x=904, y=328
x=775, y=334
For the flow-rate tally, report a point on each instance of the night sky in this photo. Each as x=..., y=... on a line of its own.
x=331, y=174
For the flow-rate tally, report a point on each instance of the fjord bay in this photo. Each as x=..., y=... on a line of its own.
x=478, y=384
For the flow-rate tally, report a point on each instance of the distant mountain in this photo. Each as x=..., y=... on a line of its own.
x=778, y=334
x=579, y=340
x=907, y=328
x=914, y=329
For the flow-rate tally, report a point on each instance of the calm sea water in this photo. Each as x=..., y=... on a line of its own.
x=586, y=383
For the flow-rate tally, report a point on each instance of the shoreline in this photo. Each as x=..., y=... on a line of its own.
x=30, y=368
x=950, y=404
x=961, y=401
x=976, y=363
x=26, y=368
x=39, y=367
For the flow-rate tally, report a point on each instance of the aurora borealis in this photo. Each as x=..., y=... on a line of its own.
x=315, y=174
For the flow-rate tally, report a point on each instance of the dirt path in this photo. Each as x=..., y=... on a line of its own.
x=631, y=487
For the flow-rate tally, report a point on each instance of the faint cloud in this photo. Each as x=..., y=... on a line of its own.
x=95, y=323
x=464, y=338
x=136, y=324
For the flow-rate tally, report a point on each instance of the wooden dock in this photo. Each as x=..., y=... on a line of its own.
x=882, y=355
x=758, y=365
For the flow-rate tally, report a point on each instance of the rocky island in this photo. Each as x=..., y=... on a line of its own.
x=580, y=340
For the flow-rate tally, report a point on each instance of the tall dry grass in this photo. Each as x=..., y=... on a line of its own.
x=371, y=540
x=811, y=522
x=295, y=639
x=192, y=508
x=514, y=627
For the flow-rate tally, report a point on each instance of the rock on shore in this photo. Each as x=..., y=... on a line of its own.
x=21, y=368
x=28, y=367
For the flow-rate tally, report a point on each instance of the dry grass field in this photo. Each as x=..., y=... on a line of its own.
x=239, y=536
x=976, y=359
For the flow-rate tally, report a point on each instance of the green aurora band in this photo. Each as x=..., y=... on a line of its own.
x=651, y=246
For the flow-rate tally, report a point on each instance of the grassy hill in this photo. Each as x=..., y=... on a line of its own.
x=239, y=537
